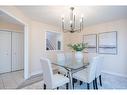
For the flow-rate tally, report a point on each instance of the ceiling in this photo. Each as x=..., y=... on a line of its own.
x=92, y=14
x=5, y=18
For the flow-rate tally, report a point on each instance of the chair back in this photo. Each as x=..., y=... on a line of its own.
x=99, y=66
x=61, y=58
x=91, y=70
x=47, y=72
x=91, y=56
x=68, y=57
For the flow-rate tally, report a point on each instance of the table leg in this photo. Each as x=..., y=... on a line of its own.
x=71, y=80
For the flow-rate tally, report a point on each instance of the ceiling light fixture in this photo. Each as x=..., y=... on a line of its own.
x=72, y=23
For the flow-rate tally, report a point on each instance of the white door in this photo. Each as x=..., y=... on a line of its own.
x=17, y=51
x=5, y=51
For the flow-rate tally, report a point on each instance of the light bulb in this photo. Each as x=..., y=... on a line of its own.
x=62, y=16
x=82, y=16
x=70, y=21
x=80, y=20
x=62, y=20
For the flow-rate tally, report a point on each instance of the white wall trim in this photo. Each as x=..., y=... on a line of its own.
x=116, y=74
x=26, y=44
x=26, y=53
x=36, y=72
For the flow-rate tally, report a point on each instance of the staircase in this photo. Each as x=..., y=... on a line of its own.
x=50, y=45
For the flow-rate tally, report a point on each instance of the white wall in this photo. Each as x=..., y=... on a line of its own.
x=38, y=45
x=115, y=64
x=11, y=27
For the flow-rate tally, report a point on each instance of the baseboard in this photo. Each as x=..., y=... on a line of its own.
x=116, y=74
x=35, y=73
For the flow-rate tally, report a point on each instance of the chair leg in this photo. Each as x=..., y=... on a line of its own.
x=57, y=87
x=58, y=72
x=96, y=83
x=74, y=81
x=100, y=80
x=67, y=86
x=44, y=86
x=81, y=82
x=73, y=85
x=88, y=86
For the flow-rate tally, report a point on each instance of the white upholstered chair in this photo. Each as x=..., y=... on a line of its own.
x=61, y=59
x=88, y=75
x=51, y=81
x=99, y=70
x=64, y=58
x=68, y=57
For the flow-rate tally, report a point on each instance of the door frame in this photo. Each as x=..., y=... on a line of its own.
x=26, y=44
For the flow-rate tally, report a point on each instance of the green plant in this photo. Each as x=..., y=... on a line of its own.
x=78, y=46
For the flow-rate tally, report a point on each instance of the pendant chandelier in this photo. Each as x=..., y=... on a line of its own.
x=72, y=23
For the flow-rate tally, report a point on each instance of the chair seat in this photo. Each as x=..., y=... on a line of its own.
x=82, y=76
x=59, y=80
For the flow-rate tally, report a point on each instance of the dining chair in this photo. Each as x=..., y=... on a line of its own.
x=68, y=57
x=99, y=70
x=61, y=60
x=88, y=74
x=51, y=81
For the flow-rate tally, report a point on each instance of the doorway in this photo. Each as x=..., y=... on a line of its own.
x=9, y=18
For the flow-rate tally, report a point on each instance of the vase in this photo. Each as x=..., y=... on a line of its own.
x=79, y=56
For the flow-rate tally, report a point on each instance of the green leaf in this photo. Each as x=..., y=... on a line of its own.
x=78, y=46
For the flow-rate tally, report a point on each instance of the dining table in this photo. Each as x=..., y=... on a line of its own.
x=72, y=67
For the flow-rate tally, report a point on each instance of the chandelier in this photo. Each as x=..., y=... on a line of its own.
x=72, y=23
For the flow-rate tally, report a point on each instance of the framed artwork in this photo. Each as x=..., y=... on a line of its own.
x=107, y=42
x=91, y=40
